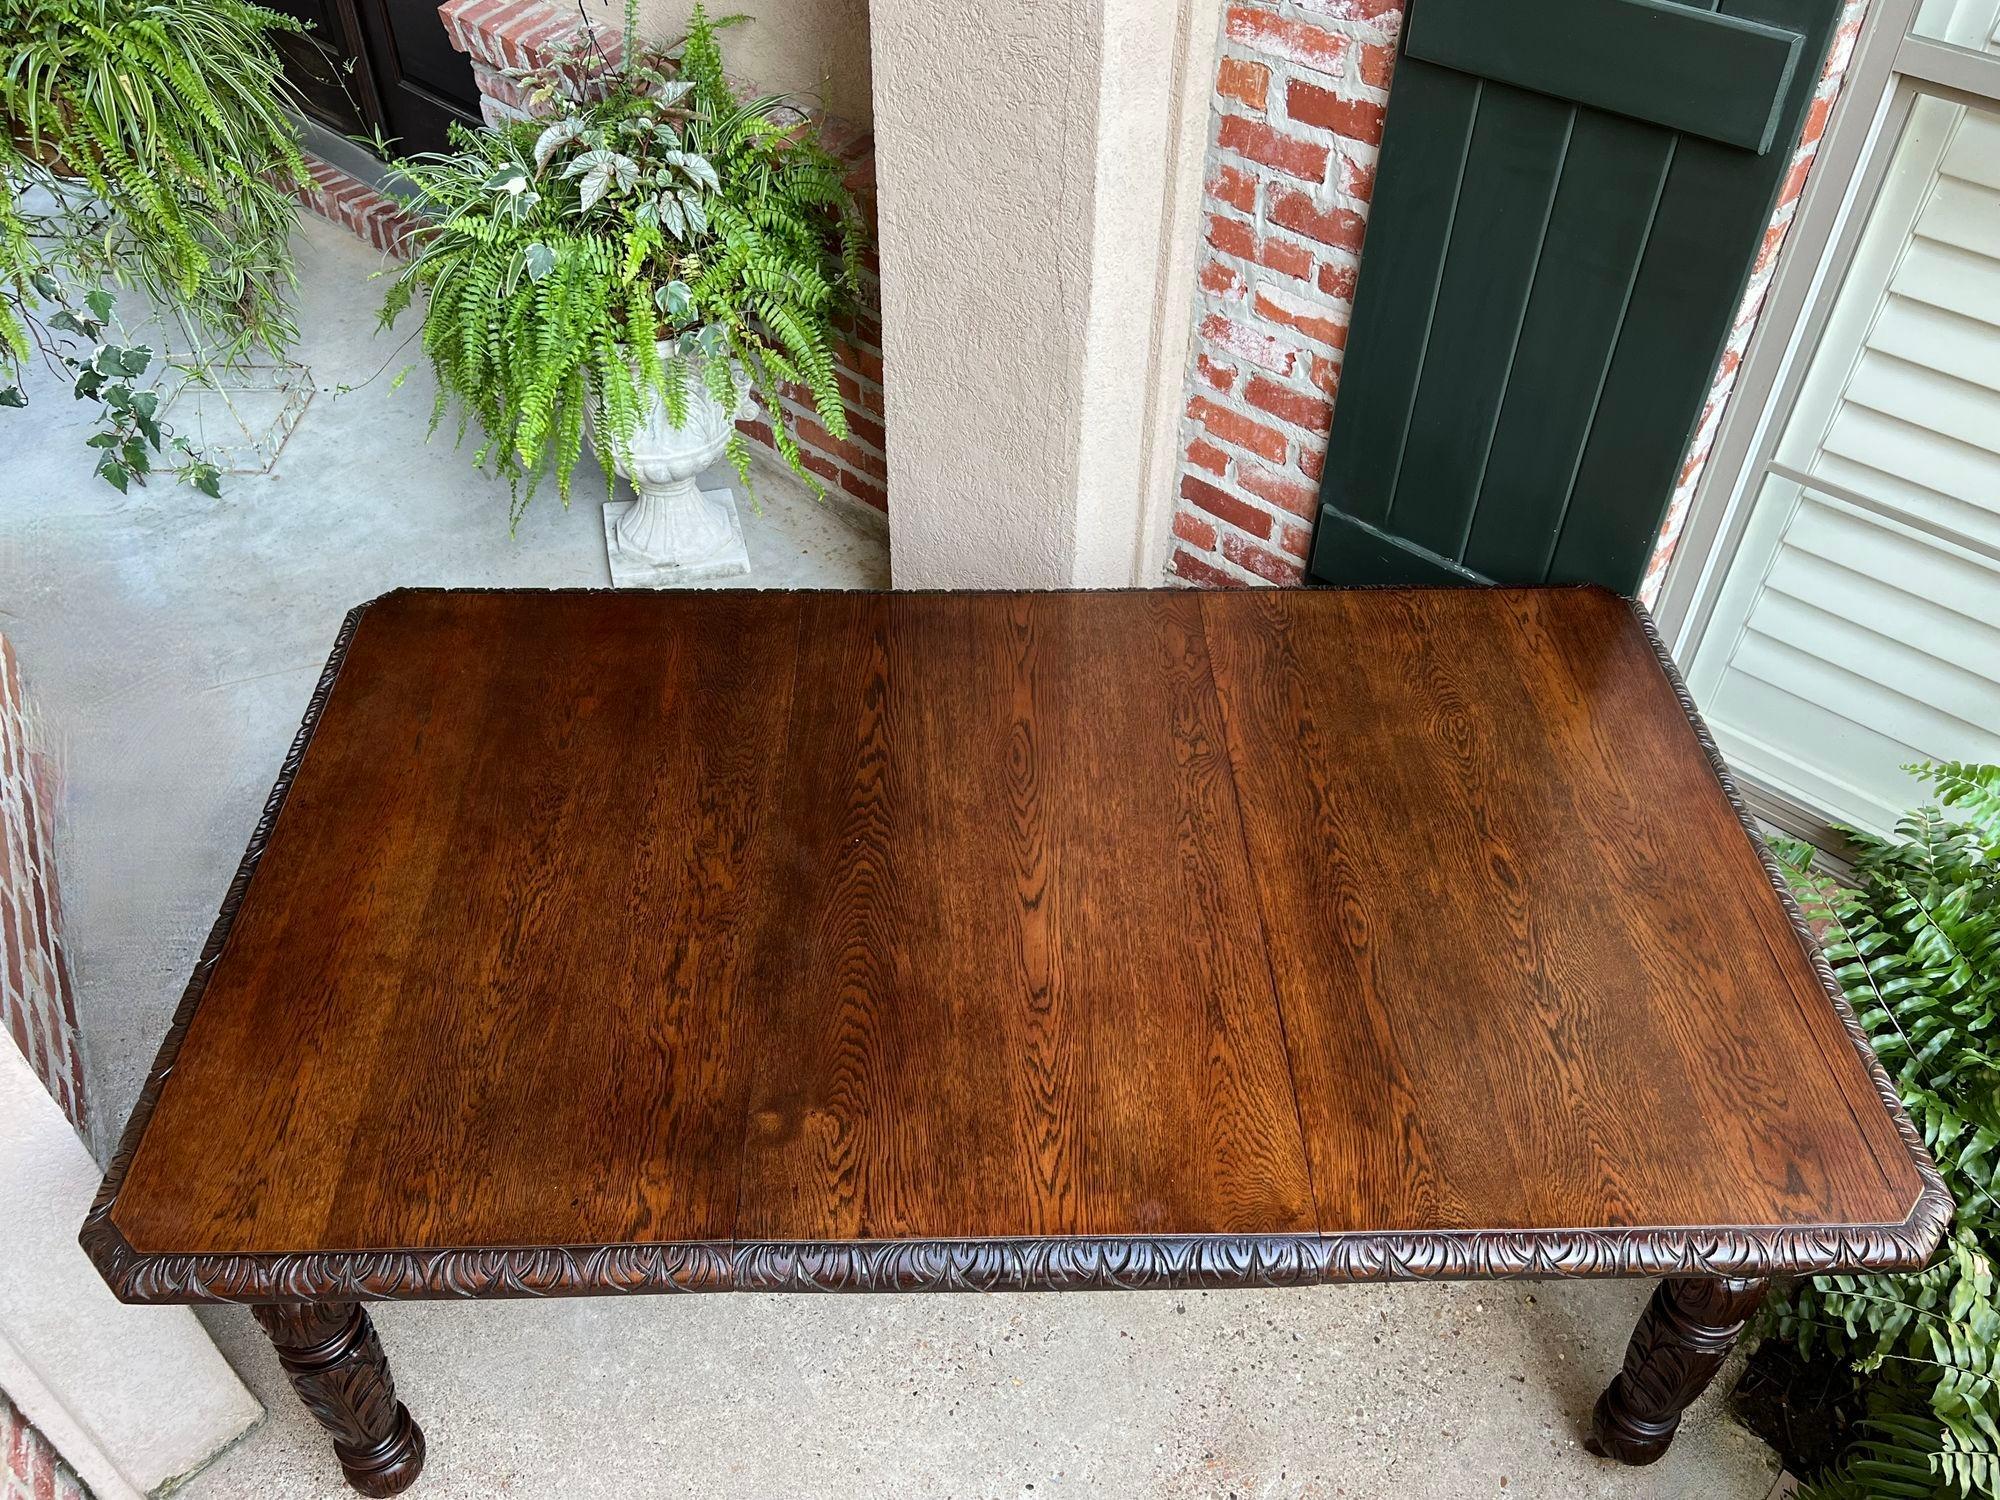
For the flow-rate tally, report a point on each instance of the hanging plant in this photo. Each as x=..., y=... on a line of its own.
x=147, y=146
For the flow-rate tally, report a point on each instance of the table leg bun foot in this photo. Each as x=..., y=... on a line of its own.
x=388, y=1467
x=1618, y=1433
x=336, y=1364
x=1684, y=1335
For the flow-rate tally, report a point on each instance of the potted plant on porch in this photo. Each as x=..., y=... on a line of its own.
x=625, y=267
x=147, y=144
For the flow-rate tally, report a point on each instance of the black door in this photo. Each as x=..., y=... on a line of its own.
x=1570, y=197
x=382, y=66
x=321, y=66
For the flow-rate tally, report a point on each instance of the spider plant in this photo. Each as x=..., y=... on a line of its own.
x=146, y=146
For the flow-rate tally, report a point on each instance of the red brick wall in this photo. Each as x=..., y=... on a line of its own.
x=1300, y=92
x=37, y=1005
x=359, y=207
x=499, y=34
x=354, y=205
x=29, y=1467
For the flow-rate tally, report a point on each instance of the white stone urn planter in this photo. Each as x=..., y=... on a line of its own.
x=676, y=532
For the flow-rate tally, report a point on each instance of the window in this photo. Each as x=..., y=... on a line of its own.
x=1836, y=599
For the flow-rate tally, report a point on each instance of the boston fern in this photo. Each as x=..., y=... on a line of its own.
x=645, y=208
x=1915, y=943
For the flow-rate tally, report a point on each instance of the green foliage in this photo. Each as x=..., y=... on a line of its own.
x=1915, y=943
x=146, y=145
x=646, y=206
x=130, y=439
x=171, y=113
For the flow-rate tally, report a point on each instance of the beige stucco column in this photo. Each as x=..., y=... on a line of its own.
x=1039, y=168
x=133, y=1398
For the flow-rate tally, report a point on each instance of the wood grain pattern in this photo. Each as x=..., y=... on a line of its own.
x=1025, y=1000
x=649, y=942
x=487, y=979
x=1556, y=994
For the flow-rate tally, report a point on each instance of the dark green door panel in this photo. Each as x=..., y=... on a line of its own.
x=1548, y=282
x=1416, y=186
x=1590, y=261
x=1511, y=171
x=1667, y=354
x=1722, y=77
x=1370, y=555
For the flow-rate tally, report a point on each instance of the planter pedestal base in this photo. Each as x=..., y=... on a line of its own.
x=730, y=559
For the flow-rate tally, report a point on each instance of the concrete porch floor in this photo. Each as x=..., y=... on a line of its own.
x=170, y=643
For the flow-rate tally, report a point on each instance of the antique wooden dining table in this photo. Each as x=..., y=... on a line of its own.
x=623, y=942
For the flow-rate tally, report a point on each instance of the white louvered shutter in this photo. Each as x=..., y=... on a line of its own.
x=1858, y=628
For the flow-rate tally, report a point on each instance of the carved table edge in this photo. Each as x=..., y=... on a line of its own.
x=100, y=1237
x=1024, y=1264
x=1079, y=1263
x=1933, y=1211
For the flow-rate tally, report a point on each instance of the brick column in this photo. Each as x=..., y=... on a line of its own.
x=37, y=1003
x=130, y=1397
x=38, y=1013
x=1296, y=120
x=30, y=1467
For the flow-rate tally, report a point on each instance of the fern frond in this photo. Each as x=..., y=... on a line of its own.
x=546, y=305
x=1914, y=941
x=174, y=115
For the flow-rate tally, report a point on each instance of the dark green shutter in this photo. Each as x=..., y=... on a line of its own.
x=1570, y=198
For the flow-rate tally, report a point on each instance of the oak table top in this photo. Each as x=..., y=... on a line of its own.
x=627, y=941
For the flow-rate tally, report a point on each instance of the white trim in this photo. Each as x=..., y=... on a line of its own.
x=1889, y=70
x=1977, y=546
x=133, y=1398
x=1832, y=211
x=1197, y=41
x=1961, y=75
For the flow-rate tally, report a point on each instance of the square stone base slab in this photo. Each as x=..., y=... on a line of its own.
x=628, y=572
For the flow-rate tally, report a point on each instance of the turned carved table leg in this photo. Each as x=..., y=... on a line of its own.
x=337, y=1366
x=1683, y=1337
